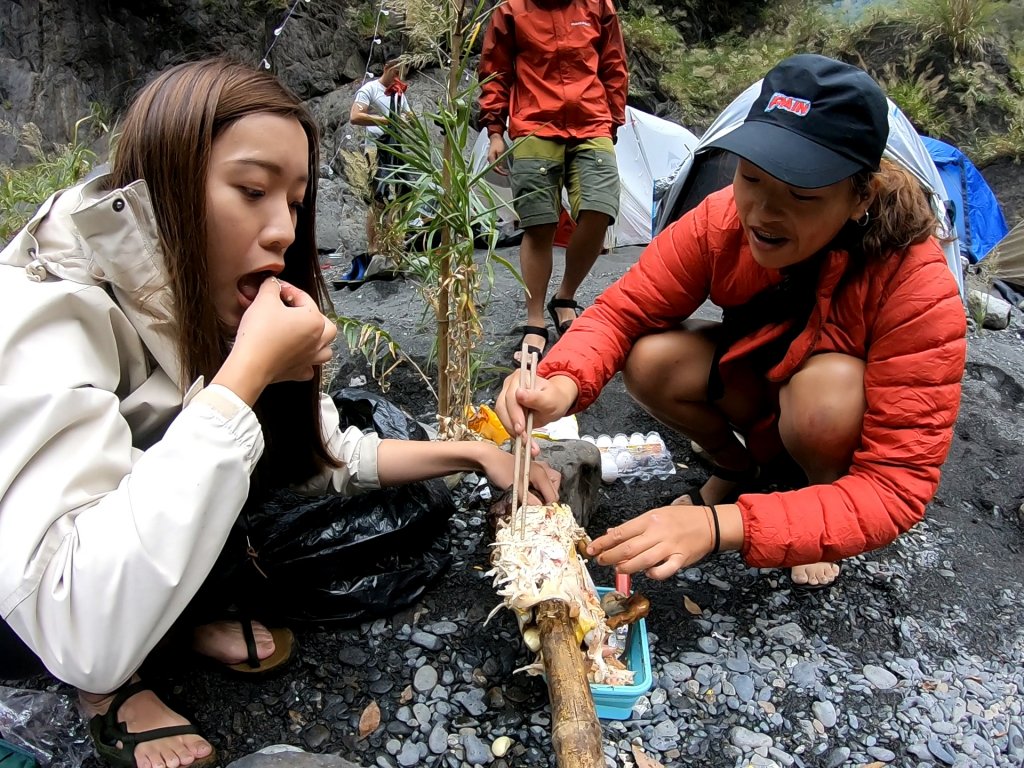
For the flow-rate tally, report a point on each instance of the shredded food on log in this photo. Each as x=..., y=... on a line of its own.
x=543, y=565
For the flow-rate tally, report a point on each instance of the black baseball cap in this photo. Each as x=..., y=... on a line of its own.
x=817, y=121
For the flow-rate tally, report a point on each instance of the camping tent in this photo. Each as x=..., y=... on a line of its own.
x=648, y=148
x=711, y=169
x=976, y=214
x=1006, y=260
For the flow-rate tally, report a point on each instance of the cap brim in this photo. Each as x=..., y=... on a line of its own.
x=787, y=156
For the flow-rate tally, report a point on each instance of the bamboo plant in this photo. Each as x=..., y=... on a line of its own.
x=447, y=205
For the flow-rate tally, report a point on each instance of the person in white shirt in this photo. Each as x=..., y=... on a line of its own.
x=161, y=344
x=376, y=103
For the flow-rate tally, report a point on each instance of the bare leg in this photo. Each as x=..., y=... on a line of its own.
x=667, y=373
x=145, y=712
x=584, y=248
x=535, y=265
x=822, y=416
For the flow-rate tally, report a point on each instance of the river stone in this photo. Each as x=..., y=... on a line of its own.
x=879, y=677
x=290, y=757
x=744, y=687
x=746, y=739
x=882, y=754
x=409, y=756
x=825, y=712
x=425, y=679
x=427, y=641
x=316, y=735
x=438, y=740
x=477, y=753
x=941, y=751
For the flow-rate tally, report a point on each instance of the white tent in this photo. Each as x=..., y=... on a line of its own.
x=648, y=148
x=904, y=147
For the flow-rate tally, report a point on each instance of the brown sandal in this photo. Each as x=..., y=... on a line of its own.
x=284, y=646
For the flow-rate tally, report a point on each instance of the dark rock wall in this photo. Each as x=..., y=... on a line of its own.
x=60, y=58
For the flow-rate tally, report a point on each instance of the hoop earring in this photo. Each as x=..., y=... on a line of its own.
x=863, y=220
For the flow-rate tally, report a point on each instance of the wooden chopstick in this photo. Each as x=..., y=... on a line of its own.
x=532, y=380
x=518, y=449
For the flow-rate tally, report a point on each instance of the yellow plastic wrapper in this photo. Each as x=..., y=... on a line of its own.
x=485, y=423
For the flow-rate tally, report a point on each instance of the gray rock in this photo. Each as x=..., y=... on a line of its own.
x=789, y=634
x=941, y=751
x=994, y=311
x=290, y=757
x=409, y=756
x=882, y=754
x=744, y=687
x=748, y=740
x=427, y=641
x=316, y=735
x=477, y=753
x=438, y=740
x=825, y=712
x=425, y=679
x=879, y=677
x=838, y=757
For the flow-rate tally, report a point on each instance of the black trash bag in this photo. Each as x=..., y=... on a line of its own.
x=340, y=560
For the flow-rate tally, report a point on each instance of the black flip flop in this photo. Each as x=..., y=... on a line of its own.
x=562, y=327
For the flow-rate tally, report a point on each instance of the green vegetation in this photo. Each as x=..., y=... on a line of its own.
x=963, y=24
x=649, y=32
x=920, y=98
x=941, y=61
x=447, y=204
x=23, y=190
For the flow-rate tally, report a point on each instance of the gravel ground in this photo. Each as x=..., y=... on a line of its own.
x=914, y=658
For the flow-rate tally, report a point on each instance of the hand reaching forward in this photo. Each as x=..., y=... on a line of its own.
x=659, y=542
x=282, y=337
x=499, y=467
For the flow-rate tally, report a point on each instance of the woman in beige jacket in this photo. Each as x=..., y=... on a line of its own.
x=161, y=344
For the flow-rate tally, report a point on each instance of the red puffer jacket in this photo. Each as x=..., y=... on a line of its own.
x=558, y=69
x=901, y=315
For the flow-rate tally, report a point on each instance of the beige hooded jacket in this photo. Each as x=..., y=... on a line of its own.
x=118, y=486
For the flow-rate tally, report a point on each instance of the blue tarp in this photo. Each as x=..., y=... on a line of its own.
x=976, y=213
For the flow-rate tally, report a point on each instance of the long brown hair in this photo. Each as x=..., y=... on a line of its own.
x=900, y=215
x=166, y=138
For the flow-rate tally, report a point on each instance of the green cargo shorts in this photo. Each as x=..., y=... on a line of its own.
x=540, y=167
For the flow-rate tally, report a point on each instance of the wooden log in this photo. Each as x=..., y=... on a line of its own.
x=575, y=730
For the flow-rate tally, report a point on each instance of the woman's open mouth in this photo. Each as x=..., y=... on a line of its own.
x=249, y=286
x=766, y=238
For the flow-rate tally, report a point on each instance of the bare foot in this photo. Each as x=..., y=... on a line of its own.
x=224, y=641
x=814, y=574
x=145, y=712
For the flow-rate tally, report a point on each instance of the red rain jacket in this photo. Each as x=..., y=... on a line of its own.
x=558, y=67
x=902, y=315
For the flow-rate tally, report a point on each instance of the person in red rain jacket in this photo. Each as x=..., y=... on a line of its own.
x=842, y=341
x=555, y=70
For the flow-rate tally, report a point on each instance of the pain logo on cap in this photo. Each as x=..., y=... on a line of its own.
x=799, y=107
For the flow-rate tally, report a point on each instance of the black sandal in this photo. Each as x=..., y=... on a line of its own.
x=532, y=330
x=562, y=327
x=106, y=730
